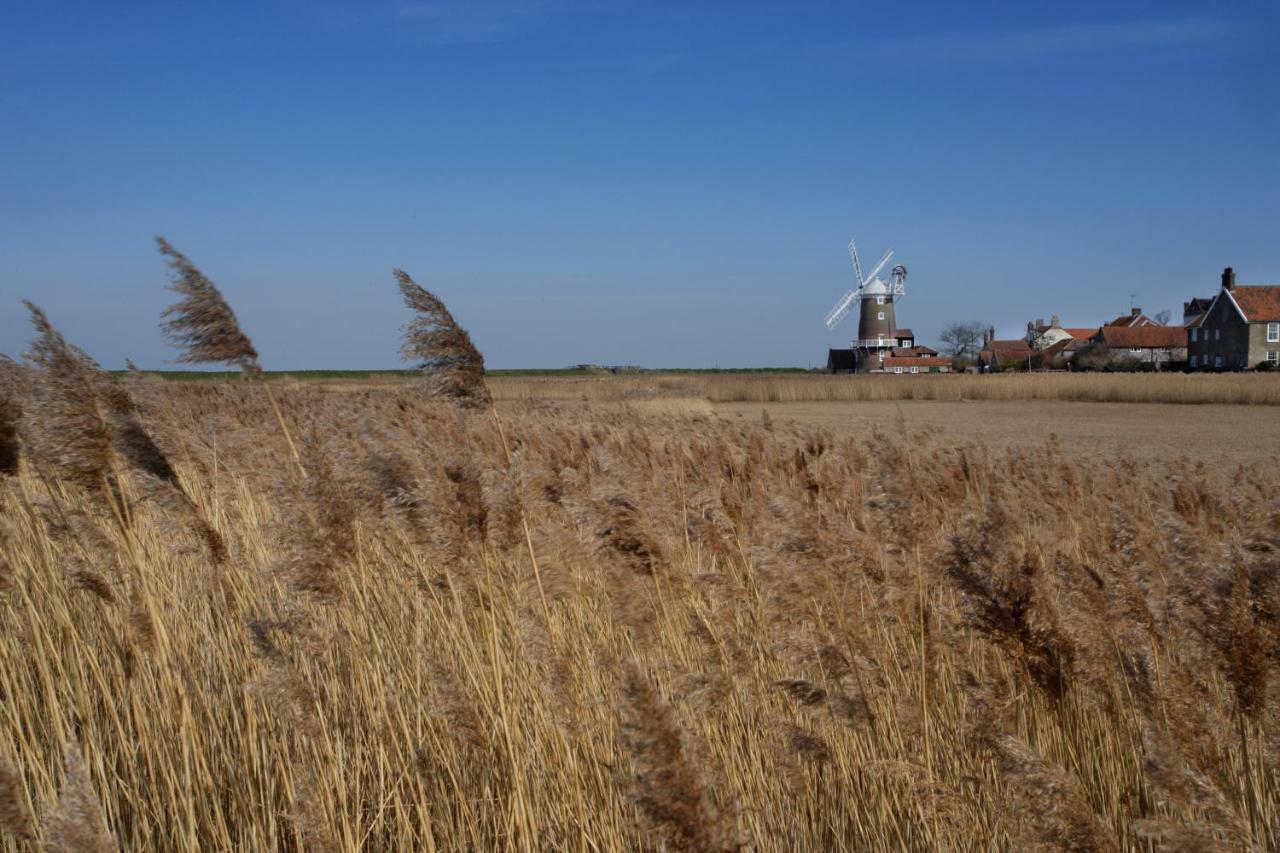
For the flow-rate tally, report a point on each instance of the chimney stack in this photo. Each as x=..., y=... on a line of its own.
x=1055, y=322
x=1136, y=312
x=1228, y=279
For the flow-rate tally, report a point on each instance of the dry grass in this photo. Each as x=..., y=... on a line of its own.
x=1232, y=388
x=716, y=632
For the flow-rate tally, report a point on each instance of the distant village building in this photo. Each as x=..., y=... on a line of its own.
x=1240, y=328
x=997, y=355
x=1193, y=310
x=1134, y=318
x=1041, y=337
x=1137, y=344
x=1062, y=355
x=916, y=360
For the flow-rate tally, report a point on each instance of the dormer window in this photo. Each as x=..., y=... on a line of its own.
x=906, y=342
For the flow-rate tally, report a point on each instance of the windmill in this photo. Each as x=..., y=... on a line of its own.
x=876, y=326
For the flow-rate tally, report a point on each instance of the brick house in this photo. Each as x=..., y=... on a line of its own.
x=1133, y=345
x=1041, y=336
x=997, y=355
x=1133, y=319
x=1061, y=355
x=917, y=364
x=1239, y=330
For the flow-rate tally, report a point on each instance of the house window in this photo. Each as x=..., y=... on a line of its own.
x=1273, y=356
x=1194, y=361
x=1273, y=333
x=880, y=315
x=879, y=300
x=906, y=342
x=1217, y=361
x=915, y=370
x=1135, y=350
x=1193, y=335
x=1217, y=334
x=897, y=370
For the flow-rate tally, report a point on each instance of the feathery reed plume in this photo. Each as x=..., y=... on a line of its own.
x=452, y=366
x=325, y=551
x=77, y=825
x=63, y=428
x=668, y=787
x=1058, y=816
x=202, y=324
x=11, y=384
x=15, y=814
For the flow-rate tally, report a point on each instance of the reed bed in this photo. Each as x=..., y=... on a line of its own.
x=629, y=628
x=1236, y=388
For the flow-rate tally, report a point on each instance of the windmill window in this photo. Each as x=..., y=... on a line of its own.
x=1273, y=333
x=879, y=300
x=880, y=315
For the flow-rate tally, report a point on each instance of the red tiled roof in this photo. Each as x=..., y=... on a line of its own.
x=916, y=361
x=904, y=333
x=1125, y=320
x=1144, y=337
x=1260, y=303
x=1066, y=344
x=1005, y=350
x=1082, y=332
x=907, y=352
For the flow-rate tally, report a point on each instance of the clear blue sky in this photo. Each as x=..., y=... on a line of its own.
x=625, y=182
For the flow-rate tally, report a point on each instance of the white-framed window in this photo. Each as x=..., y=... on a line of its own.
x=906, y=342
x=1273, y=356
x=1194, y=361
x=897, y=370
x=915, y=370
x=1193, y=335
x=880, y=315
x=879, y=300
x=1135, y=350
x=1273, y=333
x=882, y=355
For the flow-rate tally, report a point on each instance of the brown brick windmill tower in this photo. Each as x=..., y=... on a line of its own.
x=877, y=328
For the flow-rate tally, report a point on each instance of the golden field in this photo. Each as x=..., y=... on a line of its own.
x=662, y=623
x=1226, y=388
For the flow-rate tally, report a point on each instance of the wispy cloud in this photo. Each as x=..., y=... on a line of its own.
x=1049, y=42
x=463, y=21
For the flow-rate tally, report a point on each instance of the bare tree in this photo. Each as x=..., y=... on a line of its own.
x=1164, y=317
x=963, y=340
